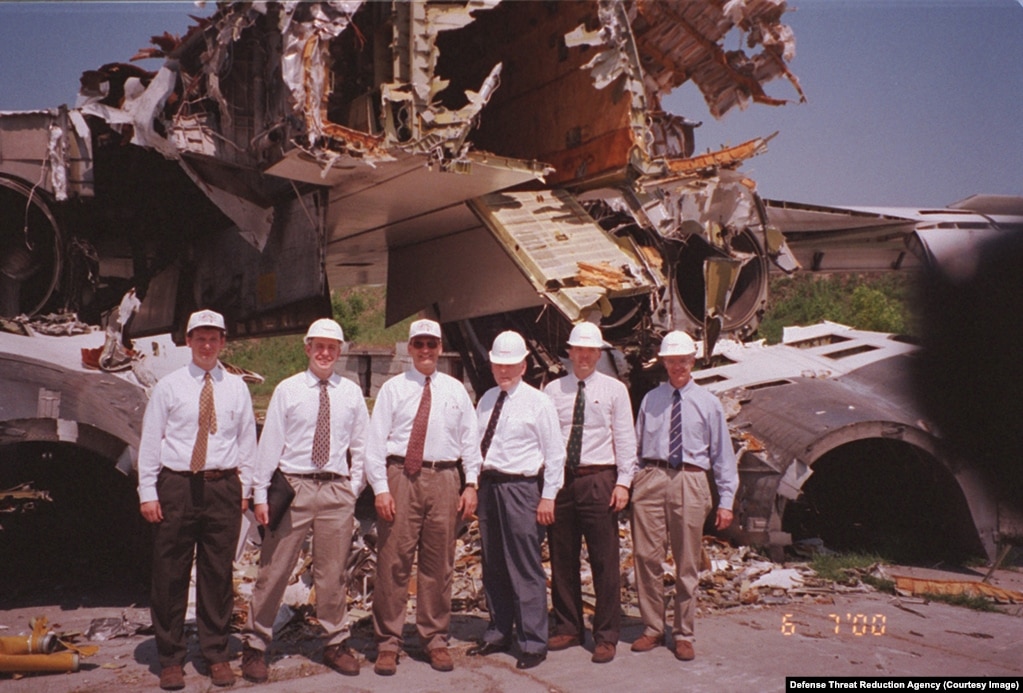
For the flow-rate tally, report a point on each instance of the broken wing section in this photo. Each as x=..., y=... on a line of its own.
x=568, y=258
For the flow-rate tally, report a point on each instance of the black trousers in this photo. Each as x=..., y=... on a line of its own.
x=202, y=519
x=582, y=510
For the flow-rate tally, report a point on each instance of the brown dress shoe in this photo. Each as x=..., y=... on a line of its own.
x=341, y=659
x=172, y=678
x=387, y=663
x=684, y=650
x=440, y=659
x=563, y=642
x=603, y=653
x=221, y=674
x=254, y=665
x=645, y=643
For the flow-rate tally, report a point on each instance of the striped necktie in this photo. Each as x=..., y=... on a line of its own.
x=675, y=432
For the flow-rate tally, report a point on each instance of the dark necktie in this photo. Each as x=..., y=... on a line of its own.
x=574, y=450
x=417, y=439
x=321, y=438
x=492, y=423
x=675, y=432
x=207, y=424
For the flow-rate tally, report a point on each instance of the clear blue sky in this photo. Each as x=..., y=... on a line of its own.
x=909, y=102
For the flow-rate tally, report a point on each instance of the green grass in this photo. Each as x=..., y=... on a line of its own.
x=360, y=311
x=850, y=568
x=966, y=600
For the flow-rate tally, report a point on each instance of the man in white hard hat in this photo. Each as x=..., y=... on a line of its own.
x=315, y=419
x=196, y=452
x=523, y=460
x=422, y=428
x=596, y=420
x=682, y=435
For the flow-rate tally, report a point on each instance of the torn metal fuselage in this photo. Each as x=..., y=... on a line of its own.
x=410, y=116
x=497, y=164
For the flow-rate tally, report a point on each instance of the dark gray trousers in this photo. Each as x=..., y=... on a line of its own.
x=513, y=575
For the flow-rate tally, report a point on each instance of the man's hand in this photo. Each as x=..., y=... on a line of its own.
x=151, y=511
x=723, y=519
x=262, y=513
x=619, y=498
x=545, y=511
x=467, y=502
x=385, y=507
x=245, y=505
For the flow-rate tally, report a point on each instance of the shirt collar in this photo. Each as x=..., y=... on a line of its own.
x=415, y=375
x=313, y=380
x=217, y=372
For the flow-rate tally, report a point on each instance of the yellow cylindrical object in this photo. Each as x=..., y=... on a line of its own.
x=34, y=663
x=42, y=643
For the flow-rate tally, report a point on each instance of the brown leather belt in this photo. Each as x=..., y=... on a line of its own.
x=207, y=475
x=588, y=469
x=663, y=464
x=318, y=476
x=496, y=477
x=443, y=464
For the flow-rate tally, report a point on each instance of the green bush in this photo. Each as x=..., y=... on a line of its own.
x=863, y=301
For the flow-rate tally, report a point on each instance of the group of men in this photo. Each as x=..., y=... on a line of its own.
x=558, y=463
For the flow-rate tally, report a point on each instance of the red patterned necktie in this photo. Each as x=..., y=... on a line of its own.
x=492, y=423
x=207, y=424
x=321, y=439
x=417, y=440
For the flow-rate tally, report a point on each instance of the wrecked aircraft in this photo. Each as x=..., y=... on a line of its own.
x=497, y=164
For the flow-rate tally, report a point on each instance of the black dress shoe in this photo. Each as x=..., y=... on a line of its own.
x=487, y=648
x=528, y=660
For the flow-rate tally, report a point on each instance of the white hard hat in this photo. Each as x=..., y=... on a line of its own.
x=677, y=343
x=586, y=334
x=509, y=348
x=424, y=327
x=325, y=328
x=205, y=318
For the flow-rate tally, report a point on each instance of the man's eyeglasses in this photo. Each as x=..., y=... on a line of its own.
x=428, y=343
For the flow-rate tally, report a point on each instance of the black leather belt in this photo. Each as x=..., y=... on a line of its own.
x=496, y=477
x=207, y=474
x=442, y=464
x=663, y=464
x=588, y=469
x=318, y=476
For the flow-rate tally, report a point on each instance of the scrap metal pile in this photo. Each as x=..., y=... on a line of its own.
x=729, y=577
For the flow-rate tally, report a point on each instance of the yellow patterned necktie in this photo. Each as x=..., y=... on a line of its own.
x=321, y=438
x=207, y=424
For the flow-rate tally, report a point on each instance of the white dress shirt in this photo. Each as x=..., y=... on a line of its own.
x=706, y=441
x=450, y=433
x=171, y=423
x=527, y=438
x=287, y=437
x=609, y=433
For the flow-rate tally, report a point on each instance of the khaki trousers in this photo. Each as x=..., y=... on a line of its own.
x=669, y=508
x=424, y=523
x=327, y=509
